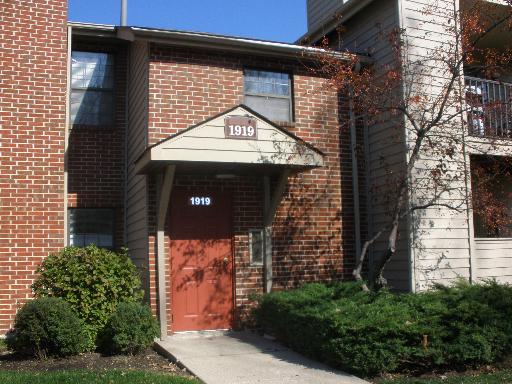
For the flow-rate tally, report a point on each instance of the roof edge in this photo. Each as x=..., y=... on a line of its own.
x=230, y=43
x=209, y=41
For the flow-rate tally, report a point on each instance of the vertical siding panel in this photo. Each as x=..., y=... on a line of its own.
x=424, y=34
x=136, y=186
x=319, y=11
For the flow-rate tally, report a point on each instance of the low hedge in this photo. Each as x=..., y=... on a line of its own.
x=130, y=329
x=370, y=333
x=47, y=327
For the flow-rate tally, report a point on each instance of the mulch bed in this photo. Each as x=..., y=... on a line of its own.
x=449, y=373
x=146, y=361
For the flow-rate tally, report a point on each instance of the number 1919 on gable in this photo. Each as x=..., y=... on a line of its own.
x=240, y=127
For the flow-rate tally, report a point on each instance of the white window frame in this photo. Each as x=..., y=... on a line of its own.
x=289, y=97
x=84, y=90
x=113, y=223
x=251, y=239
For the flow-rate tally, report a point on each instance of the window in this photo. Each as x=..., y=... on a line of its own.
x=269, y=93
x=256, y=245
x=92, y=85
x=91, y=226
x=491, y=185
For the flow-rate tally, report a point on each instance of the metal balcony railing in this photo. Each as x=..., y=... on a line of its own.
x=489, y=108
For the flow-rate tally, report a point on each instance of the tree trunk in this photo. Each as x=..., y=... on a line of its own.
x=376, y=279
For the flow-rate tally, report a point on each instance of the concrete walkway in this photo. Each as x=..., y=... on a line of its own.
x=246, y=358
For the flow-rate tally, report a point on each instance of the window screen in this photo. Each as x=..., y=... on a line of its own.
x=91, y=226
x=92, y=84
x=256, y=245
x=269, y=93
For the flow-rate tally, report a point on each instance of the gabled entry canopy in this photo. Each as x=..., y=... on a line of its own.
x=236, y=139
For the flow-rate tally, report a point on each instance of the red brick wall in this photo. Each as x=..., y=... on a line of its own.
x=187, y=87
x=308, y=224
x=96, y=155
x=32, y=114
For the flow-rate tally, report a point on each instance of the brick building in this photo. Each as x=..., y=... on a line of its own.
x=33, y=67
x=223, y=164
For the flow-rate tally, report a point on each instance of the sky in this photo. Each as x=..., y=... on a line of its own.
x=276, y=20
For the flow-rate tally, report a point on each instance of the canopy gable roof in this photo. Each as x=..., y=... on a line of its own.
x=207, y=142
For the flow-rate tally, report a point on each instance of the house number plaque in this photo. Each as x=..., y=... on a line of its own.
x=202, y=201
x=240, y=127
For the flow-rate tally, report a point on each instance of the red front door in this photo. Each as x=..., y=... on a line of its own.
x=201, y=261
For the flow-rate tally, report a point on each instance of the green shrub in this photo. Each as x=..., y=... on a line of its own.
x=370, y=333
x=129, y=330
x=92, y=280
x=48, y=326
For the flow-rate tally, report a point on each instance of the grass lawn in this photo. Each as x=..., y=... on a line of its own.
x=503, y=377
x=91, y=377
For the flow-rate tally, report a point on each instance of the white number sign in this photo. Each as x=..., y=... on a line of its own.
x=200, y=200
x=240, y=127
x=241, y=130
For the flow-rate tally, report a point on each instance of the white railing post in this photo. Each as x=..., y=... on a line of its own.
x=489, y=112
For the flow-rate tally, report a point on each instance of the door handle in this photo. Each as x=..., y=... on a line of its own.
x=225, y=260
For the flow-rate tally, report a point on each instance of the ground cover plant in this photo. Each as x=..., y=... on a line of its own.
x=90, y=377
x=3, y=346
x=369, y=333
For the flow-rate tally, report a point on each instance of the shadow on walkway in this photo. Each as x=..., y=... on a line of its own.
x=246, y=358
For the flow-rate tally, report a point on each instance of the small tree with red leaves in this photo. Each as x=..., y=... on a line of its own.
x=426, y=104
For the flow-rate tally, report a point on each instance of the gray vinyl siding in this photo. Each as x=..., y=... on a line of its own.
x=385, y=139
x=494, y=259
x=319, y=11
x=437, y=244
x=136, y=185
x=440, y=237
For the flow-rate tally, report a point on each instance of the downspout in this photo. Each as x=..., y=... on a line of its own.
x=368, y=179
x=66, y=132
x=355, y=172
x=126, y=128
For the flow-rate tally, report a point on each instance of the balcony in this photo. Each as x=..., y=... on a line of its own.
x=489, y=106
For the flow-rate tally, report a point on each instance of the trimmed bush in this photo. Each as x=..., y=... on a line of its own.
x=48, y=327
x=92, y=280
x=370, y=333
x=129, y=330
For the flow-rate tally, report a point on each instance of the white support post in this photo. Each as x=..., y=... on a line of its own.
x=270, y=208
x=162, y=208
